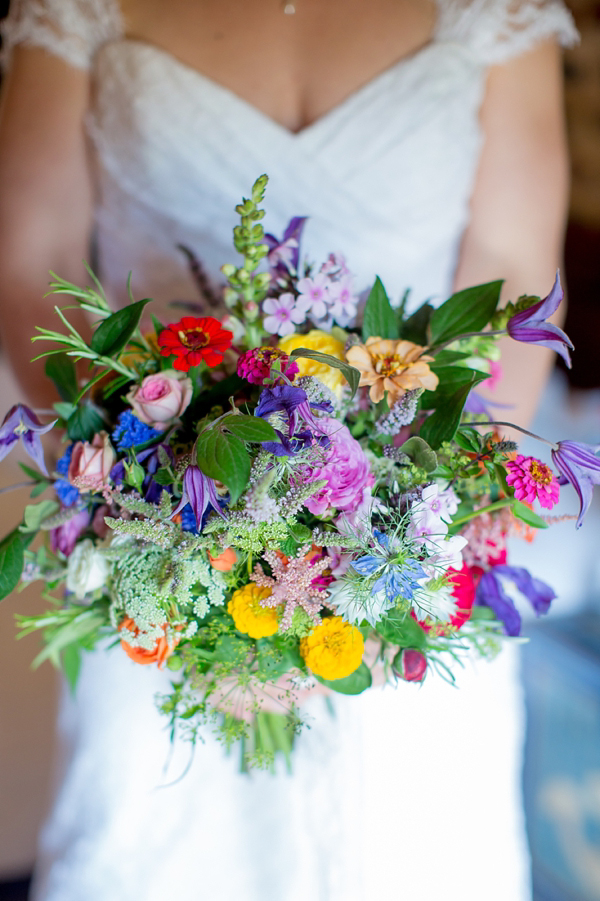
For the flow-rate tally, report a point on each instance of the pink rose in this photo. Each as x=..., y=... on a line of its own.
x=160, y=398
x=91, y=463
x=345, y=470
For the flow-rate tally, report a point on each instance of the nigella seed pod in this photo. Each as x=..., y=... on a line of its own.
x=410, y=665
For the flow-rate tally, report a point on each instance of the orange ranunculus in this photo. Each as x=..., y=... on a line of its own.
x=161, y=651
x=223, y=562
x=392, y=366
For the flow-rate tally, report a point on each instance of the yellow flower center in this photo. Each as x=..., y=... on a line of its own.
x=194, y=338
x=541, y=473
x=388, y=364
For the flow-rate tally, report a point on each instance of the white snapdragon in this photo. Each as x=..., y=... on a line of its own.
x=87, y=570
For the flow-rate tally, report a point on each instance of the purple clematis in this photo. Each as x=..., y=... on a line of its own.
x=21, y=422
x=531, y=327
x=293, y=403
x=284, y=255
x=198, y=491
x=578, y=464
x=491, y=593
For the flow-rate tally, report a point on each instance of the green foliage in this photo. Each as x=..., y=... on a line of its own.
x=85, y=422
x=351, y=374
x=354, y=684
x=441, y=426
x=528, y=516
x=451, y=379
x=466, y=311
x=415, y=327
x=420, y=453
x=223, y=456
x=111, y=336
x=379, y=320
x=400, y=629
x=61, y=370
x=11, y=562
x=248, y=428
x=35, y=514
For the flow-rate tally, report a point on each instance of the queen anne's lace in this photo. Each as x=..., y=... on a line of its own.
x=71, y=29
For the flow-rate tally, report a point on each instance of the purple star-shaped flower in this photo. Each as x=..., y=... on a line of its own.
x=21, y=422
x=284, y=255
x=491, y=593
x=198, y=491
x=578, y=464
x=531, y=327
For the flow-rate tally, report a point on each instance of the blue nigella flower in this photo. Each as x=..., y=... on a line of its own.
x=131, y=431
x=490, y=593
x=578, y=464
x=397, y=579
x=531, y=327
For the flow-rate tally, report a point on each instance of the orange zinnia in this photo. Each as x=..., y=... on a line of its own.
x=161, y=651
x=392, y=366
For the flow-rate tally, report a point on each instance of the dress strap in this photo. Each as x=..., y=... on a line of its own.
x=70, y=29
x=499, y=30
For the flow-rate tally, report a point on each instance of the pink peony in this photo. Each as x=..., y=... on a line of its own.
x=160, y=398
x=91, y=463
x=530, y=479
x=345, y=470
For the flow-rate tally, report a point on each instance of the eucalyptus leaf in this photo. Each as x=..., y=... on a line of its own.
x=466, y=311
x=223, y=457
x=380, y=320
x=11, y=562
x=111, y=336
x=351, y=374
x=354, y=684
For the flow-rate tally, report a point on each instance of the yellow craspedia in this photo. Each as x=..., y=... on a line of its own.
x=247, y=613
x=334, y=649
x=325, y=344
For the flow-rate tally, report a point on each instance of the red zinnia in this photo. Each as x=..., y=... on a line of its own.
x=193, y=340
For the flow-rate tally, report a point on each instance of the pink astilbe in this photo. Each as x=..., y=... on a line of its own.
x=292, y=584
x=532, y=478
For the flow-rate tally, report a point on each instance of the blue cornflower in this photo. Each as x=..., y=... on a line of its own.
x=67, y=494
x=131, y=431
x=62, y=465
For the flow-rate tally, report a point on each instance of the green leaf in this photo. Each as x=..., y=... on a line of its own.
x=415, y=327
x=33, y=474
x=469, y=439
x=113, y=333
x=249, y=428
x=442, y=424
x=11, y=562
x=401, y=629
x=420, y=453
x=35, y=514
x=466, y=311
x=354, y=684
x=447, y=357
x=64, y=409
x=157, y=324
x=84, y=423
x=379, y=320
x=76, y=630
x=528, y=516
x=71, y=664
x=223, y=457
x=451, y=379
x=501, y=477
x=163, y=477
x=61, y=370
x=300, y=533
x=351, y=374
x=38, y=489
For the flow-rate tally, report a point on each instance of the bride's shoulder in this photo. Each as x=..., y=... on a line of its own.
x=71, y=29
x=499, y=30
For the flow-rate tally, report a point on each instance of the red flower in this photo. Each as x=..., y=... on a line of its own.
x=464, y=592
x=193, y=340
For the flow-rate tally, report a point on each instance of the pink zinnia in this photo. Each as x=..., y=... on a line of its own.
x=532, y=478
x=255, y=365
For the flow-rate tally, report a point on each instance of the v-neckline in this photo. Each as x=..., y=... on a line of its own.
x=251, y=109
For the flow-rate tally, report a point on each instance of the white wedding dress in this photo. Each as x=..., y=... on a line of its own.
x=408, y=792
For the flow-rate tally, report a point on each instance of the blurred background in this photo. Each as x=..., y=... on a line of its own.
x=561, y=666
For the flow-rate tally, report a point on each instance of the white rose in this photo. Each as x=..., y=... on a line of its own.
x=87, y=570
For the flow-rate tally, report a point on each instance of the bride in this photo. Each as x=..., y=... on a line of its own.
x=425, y=141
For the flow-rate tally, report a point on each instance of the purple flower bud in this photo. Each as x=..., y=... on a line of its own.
x=64, y=537
x=198, y=491
x=412, y=665
x=491, y=593
x=578, y=464
x=21, y=422
x=531, y=327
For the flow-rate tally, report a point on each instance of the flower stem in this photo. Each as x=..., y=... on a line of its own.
x=493, y=333
x=490, y=508
x=511, y=425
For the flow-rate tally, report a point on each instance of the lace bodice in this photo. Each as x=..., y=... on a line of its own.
x=173, y=150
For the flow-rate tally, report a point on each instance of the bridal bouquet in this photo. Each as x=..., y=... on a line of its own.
x=306, y=490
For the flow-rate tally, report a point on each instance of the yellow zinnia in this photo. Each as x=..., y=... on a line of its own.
x=392, y=366
x=325, y=344
x=334, y=649
x=248, y=615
